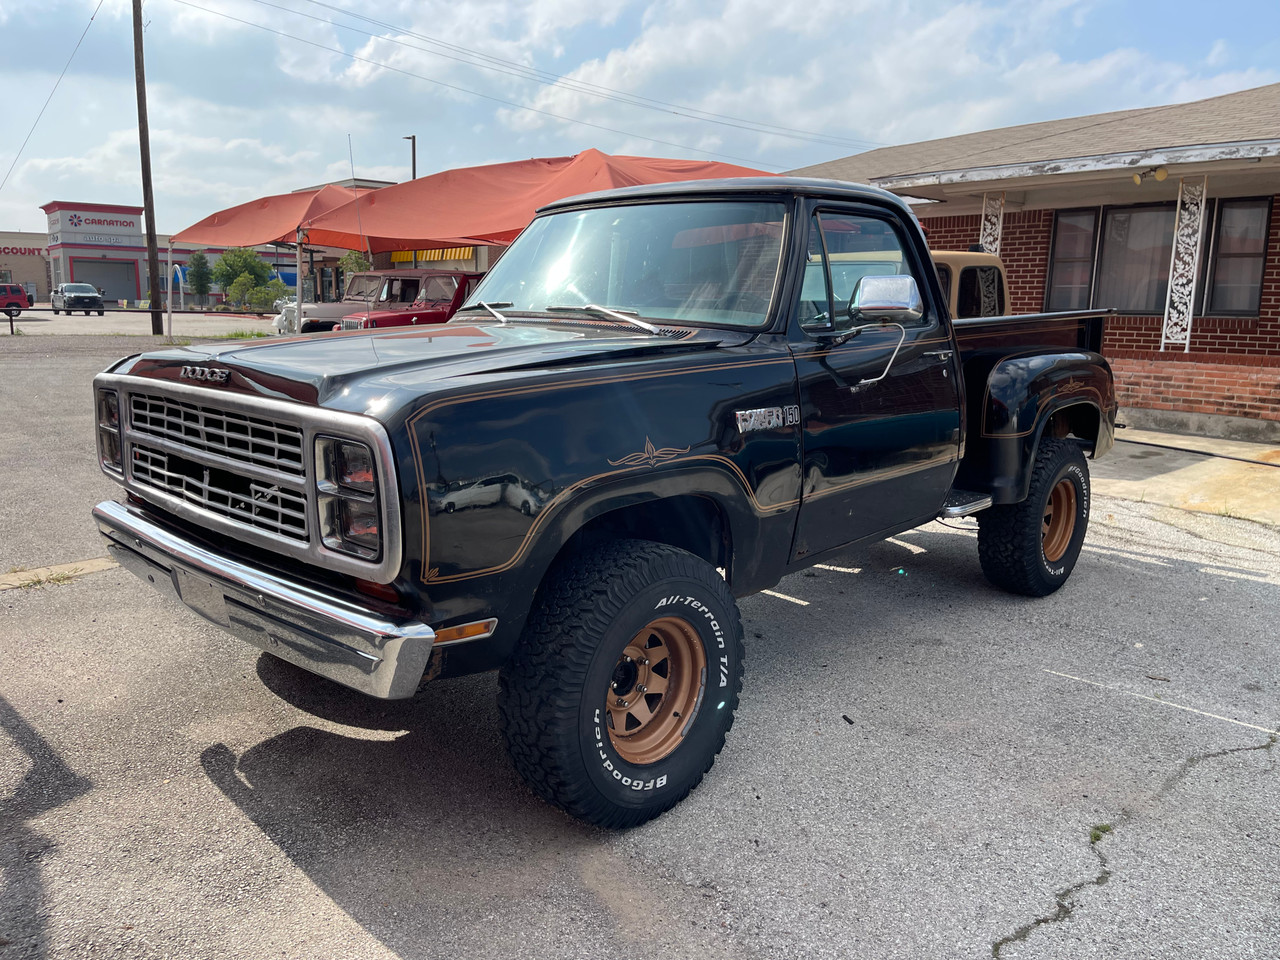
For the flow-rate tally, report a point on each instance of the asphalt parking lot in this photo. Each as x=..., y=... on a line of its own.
x=921, y=766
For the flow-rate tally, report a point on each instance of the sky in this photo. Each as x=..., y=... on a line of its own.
x=255, y=97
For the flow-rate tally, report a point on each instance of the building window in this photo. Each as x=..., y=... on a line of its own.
x=1236, y=256
x=1071, y=266
x=1133, y=264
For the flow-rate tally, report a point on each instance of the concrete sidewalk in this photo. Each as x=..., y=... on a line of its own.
x=1229, y=478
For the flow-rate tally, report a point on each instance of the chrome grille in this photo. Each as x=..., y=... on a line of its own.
x=257, y=440
x=265, y=506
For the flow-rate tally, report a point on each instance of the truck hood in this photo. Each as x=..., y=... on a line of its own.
x=372, y=371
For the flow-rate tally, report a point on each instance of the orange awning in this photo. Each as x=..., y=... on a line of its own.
x=489, y=204
x=266, y=220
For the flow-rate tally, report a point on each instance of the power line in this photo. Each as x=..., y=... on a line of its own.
x=461, y=89
x=522, y=71
x=51, y=93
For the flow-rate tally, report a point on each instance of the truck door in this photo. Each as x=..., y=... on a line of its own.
x=880, y=403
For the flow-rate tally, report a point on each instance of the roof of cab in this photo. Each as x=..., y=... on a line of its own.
x=793, y=186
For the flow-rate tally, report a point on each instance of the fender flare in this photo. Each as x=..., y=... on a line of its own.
x=1024, y=391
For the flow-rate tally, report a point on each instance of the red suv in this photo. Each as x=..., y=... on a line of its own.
x=13, y=299
x=442, y=292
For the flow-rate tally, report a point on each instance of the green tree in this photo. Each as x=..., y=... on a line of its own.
x=262, y=299
x=353, y=261
x=199, y=275
x=238, y=261
x=240, y=288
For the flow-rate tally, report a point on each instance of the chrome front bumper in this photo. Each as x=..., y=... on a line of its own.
x=326, y=635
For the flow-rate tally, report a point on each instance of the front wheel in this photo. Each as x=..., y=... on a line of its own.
x=101, y=313
x=1031, y=547
x=623, y=687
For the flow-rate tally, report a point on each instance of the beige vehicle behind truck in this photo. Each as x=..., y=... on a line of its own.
x=973, y=283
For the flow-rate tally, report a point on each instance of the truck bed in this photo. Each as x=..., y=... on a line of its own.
x=1072, y=330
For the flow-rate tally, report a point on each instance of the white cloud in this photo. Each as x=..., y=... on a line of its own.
x=237, y=112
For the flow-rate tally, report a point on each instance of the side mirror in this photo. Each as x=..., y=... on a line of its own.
x=886, y=299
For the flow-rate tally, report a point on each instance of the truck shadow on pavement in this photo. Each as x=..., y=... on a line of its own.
x=413, y=822
x=48, y=784
x=408, y=816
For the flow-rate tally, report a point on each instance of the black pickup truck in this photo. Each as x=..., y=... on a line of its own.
x=658, y=400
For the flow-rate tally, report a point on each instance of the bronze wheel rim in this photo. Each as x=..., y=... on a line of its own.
x=1059, y=520
x=655, y=690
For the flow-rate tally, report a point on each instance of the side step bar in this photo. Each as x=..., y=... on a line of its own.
x=961, y=503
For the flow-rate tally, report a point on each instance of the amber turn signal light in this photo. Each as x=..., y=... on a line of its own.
x=467, y=631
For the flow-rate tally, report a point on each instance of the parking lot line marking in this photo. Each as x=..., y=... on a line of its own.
x=52, y=575
x=827, y=566
x=783, y=596
x=902, y=543
x=1165, y=703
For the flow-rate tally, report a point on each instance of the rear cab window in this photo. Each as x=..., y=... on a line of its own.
x=980, y=293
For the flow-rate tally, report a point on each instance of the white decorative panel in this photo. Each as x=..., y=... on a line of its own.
x=992, y=222
x=1184, y=263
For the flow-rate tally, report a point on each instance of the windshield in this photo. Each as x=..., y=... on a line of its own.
x=438, y=290
x=80, y=288
x=702, y=262
x=362, y=286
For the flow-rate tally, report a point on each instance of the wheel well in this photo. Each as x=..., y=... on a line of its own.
x=1080, y=420
x=691, y=523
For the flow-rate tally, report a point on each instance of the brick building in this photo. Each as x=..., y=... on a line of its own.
x=1165, y=213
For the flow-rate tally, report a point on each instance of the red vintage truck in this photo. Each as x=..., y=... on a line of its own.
x=440, y=294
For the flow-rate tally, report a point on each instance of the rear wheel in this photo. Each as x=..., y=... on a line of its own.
x=622, y=689
x=101, y=312
x=55, y=312
x=1031, y=547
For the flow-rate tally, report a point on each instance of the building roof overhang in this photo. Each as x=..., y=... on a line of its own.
x=1242, y=168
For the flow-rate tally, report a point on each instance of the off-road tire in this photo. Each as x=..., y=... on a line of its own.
x=1021, y=549
x=556, y=694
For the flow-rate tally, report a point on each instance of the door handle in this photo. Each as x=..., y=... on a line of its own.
x=940, y=354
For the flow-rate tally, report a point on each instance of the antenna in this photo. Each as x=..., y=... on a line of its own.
x=359, y=226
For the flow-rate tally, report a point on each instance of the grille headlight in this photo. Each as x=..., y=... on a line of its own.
x=347, y=482
x=354, y=462
x=109, y=454
x=358, y=523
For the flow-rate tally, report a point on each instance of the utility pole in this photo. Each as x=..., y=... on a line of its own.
x=148, y=201
x=413, y=175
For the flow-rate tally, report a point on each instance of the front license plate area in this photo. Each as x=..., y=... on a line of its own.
x=202, y=597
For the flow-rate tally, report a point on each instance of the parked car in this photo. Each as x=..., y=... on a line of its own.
x=76, y=296
x=717, y=384
x=366, y=292
x=440, y=295
x=13, y=299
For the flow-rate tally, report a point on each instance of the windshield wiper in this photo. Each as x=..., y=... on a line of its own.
x=599, y=311
x=491, y=306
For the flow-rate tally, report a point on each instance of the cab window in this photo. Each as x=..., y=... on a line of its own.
x=844, y=248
